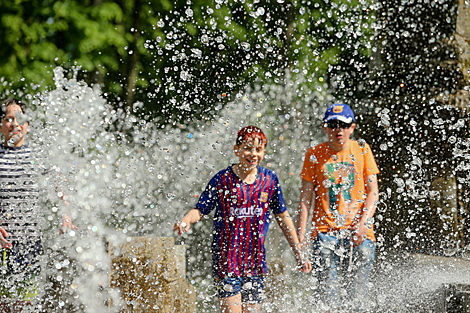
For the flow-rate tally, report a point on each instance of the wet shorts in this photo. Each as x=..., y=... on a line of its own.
x=251, y=288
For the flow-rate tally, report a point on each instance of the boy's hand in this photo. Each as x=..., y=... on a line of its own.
x=303, y=264
x=3, y=242
x=182, y=226
x=359, y=235
x=306, y=266
x=67, y=224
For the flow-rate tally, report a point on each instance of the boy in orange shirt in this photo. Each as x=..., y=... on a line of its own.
x=339, y=178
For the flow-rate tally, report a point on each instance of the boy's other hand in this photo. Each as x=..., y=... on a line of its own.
x=306, y=267
x=360, y=235
x=182, y=226
x=3, y=242
x=67, y=224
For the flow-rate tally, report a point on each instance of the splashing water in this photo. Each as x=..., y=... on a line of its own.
x=123, y=175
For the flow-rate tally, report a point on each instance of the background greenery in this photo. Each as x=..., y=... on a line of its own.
x=181, y=59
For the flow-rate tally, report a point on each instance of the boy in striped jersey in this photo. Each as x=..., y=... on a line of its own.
x=20, y=233
x=242, y=195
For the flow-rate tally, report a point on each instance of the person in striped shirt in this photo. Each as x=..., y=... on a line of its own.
x=20, y=232
x=243, y=195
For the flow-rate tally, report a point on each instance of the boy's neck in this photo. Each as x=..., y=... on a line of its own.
x=246, y=175
x=339, y=147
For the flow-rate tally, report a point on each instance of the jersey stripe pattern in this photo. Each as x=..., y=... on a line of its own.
x=19, y=194
x=241, y=220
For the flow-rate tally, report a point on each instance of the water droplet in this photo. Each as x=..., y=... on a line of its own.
x=361, y=142
x=245, y=46
x=302, y=10
x=196, y=52
x=160, y=23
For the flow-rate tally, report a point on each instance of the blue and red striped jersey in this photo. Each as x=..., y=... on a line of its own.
x=241, y=220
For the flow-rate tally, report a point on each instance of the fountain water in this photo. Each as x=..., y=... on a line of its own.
x=126, y=174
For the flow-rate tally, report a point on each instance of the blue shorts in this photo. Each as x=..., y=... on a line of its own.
x=251, y=288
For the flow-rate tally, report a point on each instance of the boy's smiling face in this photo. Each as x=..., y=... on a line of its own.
x=250, y=153
x=14, y=127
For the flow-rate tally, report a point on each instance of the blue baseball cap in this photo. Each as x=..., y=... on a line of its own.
x=341, y=112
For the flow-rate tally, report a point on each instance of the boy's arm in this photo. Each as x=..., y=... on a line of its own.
x=372, y=190
x=305, y=203
x=193, y=216
x=287, y=225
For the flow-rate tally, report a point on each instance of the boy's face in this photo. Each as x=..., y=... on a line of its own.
x=14, y=126
x=250, y=152
x=339, y=136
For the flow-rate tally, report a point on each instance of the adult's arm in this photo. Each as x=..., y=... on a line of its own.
x=372, y=191
x=305, y=203
x=193, y=216
x=3, y=242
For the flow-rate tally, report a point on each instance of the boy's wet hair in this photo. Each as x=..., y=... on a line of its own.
x=12, y=101
x=251, y=133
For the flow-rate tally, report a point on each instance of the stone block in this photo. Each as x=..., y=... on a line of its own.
x=275, y=284
x=150, y=274
x=456, y=298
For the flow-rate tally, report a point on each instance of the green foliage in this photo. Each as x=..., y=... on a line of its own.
x=182, y=59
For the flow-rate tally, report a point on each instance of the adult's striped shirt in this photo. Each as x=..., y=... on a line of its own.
x=19, y=194
x=241, y=220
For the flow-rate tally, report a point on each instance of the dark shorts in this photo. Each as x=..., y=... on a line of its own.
x=19, y=267
x=251, y=288
x=22, y=259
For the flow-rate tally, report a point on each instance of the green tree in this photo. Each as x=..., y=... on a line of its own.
x=182, y=59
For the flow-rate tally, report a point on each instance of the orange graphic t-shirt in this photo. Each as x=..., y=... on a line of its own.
x=339, y=184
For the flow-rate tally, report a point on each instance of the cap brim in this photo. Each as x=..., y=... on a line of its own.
x=339, y=118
